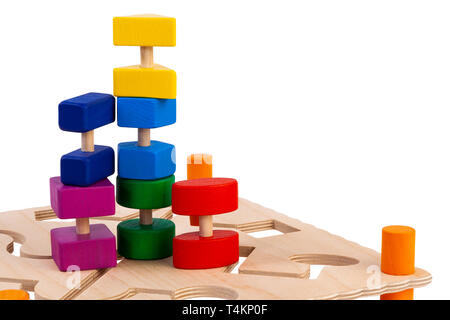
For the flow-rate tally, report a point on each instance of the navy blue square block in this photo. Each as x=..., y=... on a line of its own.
x=82, y=169
x=86, y=112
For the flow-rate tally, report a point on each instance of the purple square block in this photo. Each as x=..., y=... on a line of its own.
x=96, y=250
x=70, y=202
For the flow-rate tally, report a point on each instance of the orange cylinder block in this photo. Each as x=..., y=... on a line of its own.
x=198, y=166
x=14, y=294
x=397, y=257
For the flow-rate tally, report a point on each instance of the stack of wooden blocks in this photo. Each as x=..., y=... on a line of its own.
x=146, y=100
x=83, y=189
x=204, y=198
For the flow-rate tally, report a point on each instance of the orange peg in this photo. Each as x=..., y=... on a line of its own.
x=397, y=257
x=14, y=294
x=198, y=166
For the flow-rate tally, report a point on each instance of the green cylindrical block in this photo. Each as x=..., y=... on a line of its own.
x=145, y=242
x=145, y=194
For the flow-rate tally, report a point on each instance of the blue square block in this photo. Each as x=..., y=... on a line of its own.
x=146, y=112
x=86, y=112
x=82, y=169
x=146, y=163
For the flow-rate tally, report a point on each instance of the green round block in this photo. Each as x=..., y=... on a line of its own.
x=145, y=242
x=145, y=194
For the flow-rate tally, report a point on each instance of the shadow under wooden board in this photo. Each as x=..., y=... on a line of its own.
x=276, y=267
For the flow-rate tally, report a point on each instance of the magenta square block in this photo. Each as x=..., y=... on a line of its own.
x=70, y=202
x=96, y=250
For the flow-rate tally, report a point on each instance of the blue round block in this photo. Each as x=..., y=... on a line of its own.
x=146, y=163
x=146, y=113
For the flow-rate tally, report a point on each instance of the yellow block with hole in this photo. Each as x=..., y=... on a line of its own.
x=144, y=30
x=156, y=82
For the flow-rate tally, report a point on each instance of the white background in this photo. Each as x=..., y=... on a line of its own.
x=333, y=112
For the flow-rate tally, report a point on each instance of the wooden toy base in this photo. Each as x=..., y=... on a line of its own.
x=276, y=267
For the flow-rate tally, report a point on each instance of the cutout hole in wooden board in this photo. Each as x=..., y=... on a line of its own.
x=315, y=270
x=205, y=293
x=317, y=262
x=244, y=252
x=119, y=260
x=324, y=259
x=236, y=266
x=267, y=228
x=31, y=294
x=265, y=233
x=14, y=246
x=16, y=249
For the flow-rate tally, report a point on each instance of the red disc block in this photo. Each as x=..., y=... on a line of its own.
x=190, y=251
x=205, y=197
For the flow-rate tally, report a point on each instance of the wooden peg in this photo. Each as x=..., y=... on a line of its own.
x=146, y=57
x=87, y=141
x=82, y=226
x=146, y=62
x=143, y=137
x=205, y=226
x=199, y=166
x=87, y=145
x=397, y=257
x=146, y=217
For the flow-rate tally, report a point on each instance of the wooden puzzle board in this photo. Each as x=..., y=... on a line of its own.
x=276, y=267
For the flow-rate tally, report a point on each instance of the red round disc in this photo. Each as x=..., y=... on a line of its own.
x=205, y=197
x=190, y=251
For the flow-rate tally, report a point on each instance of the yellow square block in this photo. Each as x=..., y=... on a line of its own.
x=156, y=82
x=144, y=30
